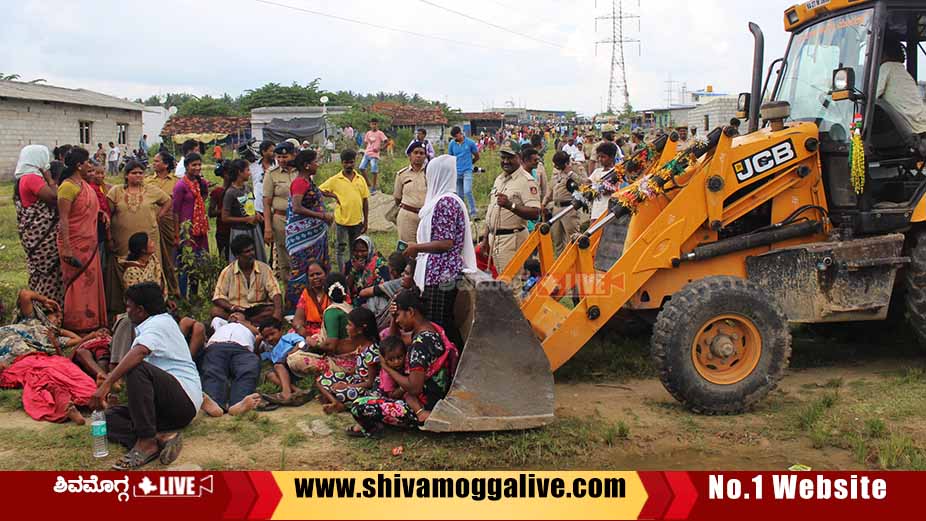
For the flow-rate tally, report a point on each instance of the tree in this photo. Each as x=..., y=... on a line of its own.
x=359, y=118
x=276, y=95
x=208, y=106
x=9, y=77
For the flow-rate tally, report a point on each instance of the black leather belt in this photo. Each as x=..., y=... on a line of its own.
x=564, y=204
x=507, y=232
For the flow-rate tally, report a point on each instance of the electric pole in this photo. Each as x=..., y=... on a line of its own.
x=617, y=82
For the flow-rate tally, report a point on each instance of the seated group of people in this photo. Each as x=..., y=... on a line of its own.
x=360, y=339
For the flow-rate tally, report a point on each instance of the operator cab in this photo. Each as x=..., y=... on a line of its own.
x=829, y=76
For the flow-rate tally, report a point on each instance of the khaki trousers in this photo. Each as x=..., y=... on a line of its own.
x=407, y=225
x=563, y=229
x=279, y=249
x=502, y=248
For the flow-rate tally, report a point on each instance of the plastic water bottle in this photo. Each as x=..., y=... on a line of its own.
x=98, y=431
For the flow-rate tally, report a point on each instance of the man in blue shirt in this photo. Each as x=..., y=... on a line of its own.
x=467, y=153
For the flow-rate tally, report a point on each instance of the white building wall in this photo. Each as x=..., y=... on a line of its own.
x=153, y=121
x=25, y=122
x=719, y=111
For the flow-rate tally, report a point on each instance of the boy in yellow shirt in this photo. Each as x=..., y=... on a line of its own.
x=351, y=214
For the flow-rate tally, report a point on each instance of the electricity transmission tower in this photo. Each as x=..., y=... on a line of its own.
x=617, y=82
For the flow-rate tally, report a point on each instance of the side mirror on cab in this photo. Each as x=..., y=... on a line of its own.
x=742, y=105
x=843, y=84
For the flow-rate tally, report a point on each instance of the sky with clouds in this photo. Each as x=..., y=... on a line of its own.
x=539, y=54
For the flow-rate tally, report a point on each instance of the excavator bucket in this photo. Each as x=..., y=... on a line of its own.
x=503, y=380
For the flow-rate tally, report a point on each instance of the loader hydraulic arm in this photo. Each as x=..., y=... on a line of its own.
x=700, y=199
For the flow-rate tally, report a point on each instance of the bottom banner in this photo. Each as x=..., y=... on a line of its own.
x=460, y=495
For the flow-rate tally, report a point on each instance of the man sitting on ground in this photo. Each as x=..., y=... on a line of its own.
x=231, y=368
x=247, y=283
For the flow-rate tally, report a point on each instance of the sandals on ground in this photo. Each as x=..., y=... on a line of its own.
x=171, y=449
x=134, y=460
x=265, y=406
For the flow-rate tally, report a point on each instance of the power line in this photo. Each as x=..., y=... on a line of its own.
x=490, y=24
x=618, y=78
x=378, y=26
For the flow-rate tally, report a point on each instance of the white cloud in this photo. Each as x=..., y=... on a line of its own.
x=134, y=49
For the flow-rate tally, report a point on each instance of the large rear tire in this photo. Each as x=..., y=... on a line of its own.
x=721, y=344
x=915, y=285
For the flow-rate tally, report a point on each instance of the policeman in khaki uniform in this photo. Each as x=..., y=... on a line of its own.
x=411, y=187
x=514, y=200
x=567, y=226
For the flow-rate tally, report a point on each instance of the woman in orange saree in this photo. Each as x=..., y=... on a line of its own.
x=82, y=275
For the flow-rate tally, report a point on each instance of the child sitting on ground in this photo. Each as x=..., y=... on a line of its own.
x=271, y=330
x=340, y=388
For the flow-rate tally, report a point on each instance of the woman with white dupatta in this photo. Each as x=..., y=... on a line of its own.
x=445, y=245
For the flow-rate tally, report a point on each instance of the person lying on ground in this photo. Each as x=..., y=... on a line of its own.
x=52, y=386
x=231, y=368
x=246, y=283
x=38, y=330
x=162, y=383
x=340, y=388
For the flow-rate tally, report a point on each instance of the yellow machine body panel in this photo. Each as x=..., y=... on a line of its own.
x=738, y=176
x=799, y=15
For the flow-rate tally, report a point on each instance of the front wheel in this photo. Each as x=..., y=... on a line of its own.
x=721, y=344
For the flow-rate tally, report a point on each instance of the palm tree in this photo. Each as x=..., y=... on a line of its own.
x=9, y=77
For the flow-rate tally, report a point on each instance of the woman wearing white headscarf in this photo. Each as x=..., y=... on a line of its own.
x=445, y=244
x=36, y=200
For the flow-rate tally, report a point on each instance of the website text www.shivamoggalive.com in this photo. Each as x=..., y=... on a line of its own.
x=525, y=486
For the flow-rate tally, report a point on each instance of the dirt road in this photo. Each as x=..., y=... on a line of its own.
x=844, y=416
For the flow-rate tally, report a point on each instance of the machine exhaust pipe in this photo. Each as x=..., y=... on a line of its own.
x=758, y=62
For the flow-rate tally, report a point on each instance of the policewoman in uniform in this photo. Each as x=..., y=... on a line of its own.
x=276, y=184
x=409, y=192
x=568, y=225
x=514, y=200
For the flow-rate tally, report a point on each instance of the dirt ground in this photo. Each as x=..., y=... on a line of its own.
x=852, y=408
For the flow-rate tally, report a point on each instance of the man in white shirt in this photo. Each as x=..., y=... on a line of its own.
x=112, y=159
x=898, y=88
x=266, y=160
x=187, y=147
x=571, y=148
x=229, y=361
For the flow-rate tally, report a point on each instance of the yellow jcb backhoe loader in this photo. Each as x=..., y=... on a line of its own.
x=807, y=217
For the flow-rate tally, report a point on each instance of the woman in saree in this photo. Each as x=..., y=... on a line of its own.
x=367, y=268
x=307, y=224
x=84, y=297
x=35, y=195
x=164, y=178
x=310, y=310
x=137, y=207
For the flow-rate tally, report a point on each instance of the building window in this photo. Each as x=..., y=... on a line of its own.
x=123, y=131
x=85, y=127
x=707, y=124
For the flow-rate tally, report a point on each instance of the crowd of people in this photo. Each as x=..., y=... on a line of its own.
x=368, y=333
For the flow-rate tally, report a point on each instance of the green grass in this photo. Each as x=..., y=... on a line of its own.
x=568, y=442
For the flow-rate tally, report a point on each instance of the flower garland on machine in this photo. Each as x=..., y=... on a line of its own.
x=646, y=187
x=857, y=156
